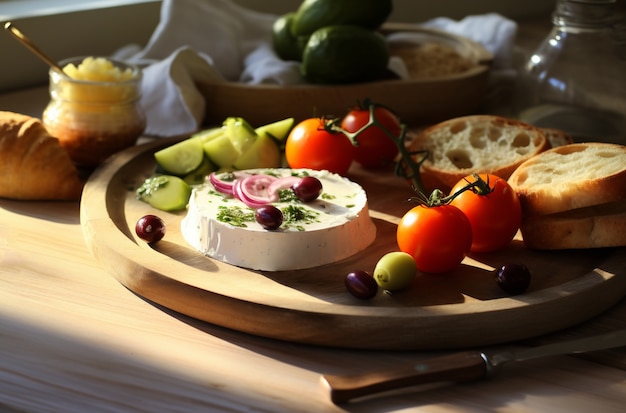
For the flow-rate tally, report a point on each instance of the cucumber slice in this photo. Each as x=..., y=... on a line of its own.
x=198, y=175
x=264, y=153
x=165, y=192
x=182, y=157
x=209, y=134
x=278, y=130
x=221, y=151
x=241, y=134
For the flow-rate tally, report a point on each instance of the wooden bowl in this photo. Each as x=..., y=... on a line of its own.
x=417, y=101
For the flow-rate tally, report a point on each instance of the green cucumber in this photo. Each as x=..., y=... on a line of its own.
x=344, y=54
x=209, y=134
x=278, y=130
x=240, y=133
x=286, y=45
x=165, y=192
x=221, y=151
x=315, y=14
x=182, y=157
x=264, y=153
x=198, y=175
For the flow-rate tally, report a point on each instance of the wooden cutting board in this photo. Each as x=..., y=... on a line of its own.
x=462, y=309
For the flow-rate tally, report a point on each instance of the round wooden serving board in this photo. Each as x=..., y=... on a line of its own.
x=462, y=309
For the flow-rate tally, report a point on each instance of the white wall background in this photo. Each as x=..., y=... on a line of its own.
x=71, y=32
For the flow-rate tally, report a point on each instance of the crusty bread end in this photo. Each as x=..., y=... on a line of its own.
x=597, y=226
x=570, y=177
x=33, y=165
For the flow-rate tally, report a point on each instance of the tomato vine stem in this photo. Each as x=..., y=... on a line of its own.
x=437, y=197
x=408, y=166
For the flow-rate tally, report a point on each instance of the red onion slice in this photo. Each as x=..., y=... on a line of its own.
x=226, y=187
x=253, y=190
x=220, y=185
x=241, y=195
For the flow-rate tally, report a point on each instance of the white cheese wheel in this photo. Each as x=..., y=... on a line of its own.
x=341, y=227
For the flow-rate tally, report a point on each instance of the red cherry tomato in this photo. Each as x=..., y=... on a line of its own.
x=438, y=237
x=375, y=148
x=494, y=217
x=310, y=145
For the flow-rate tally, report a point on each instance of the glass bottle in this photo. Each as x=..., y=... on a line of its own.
x=95, y=118
x=576, y=79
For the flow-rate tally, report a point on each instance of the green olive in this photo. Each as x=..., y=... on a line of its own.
x=395, y=271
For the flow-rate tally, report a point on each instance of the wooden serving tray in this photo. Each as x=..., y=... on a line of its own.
x=464, y=308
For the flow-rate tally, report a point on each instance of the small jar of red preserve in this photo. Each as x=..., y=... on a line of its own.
x=94, y=108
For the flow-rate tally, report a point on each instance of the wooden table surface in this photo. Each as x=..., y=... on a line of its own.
x=72, y=339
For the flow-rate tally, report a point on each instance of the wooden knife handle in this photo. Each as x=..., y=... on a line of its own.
x=458, y=367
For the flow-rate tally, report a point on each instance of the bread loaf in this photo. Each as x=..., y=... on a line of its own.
x=475, y=144
x=33, y=166
x=570, y=177
x=596, y=226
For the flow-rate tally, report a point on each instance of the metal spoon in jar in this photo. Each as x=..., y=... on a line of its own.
x=10, y=27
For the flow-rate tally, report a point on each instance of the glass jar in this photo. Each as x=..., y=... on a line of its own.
x=576, y=79
x=95, y=118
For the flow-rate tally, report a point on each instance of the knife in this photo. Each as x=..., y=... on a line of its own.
x=458, y=367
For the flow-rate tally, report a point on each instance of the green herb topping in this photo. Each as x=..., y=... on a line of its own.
x=151, y=185
x=235, y=216
x=287, y=195
x=296, y=215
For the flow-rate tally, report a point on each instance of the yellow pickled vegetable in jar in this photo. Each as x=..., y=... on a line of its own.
x=98, y=69
x=94, y=108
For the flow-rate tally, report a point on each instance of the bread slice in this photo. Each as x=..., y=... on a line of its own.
x=595, y=226
x=570, y=177
x=33, y=166
x=475, y=144
x=557, y=137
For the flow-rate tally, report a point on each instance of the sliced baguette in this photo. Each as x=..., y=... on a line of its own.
x=475, y=144
x=596, y=226
x=557, y=137
x=570, y=177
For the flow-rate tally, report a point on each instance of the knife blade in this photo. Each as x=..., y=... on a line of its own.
x=457, y=367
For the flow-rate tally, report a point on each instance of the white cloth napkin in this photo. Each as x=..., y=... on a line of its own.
x=200, y=41
x=494, y=32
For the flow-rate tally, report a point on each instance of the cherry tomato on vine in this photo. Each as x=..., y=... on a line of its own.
x=494, y=217
x=437, y=237
x=375, y=148
x=310, y=145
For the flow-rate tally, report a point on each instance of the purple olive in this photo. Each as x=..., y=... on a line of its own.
x=361, y=284
x=269, y=217
x=513, y=278
x=307, y=189
x=150, y=228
